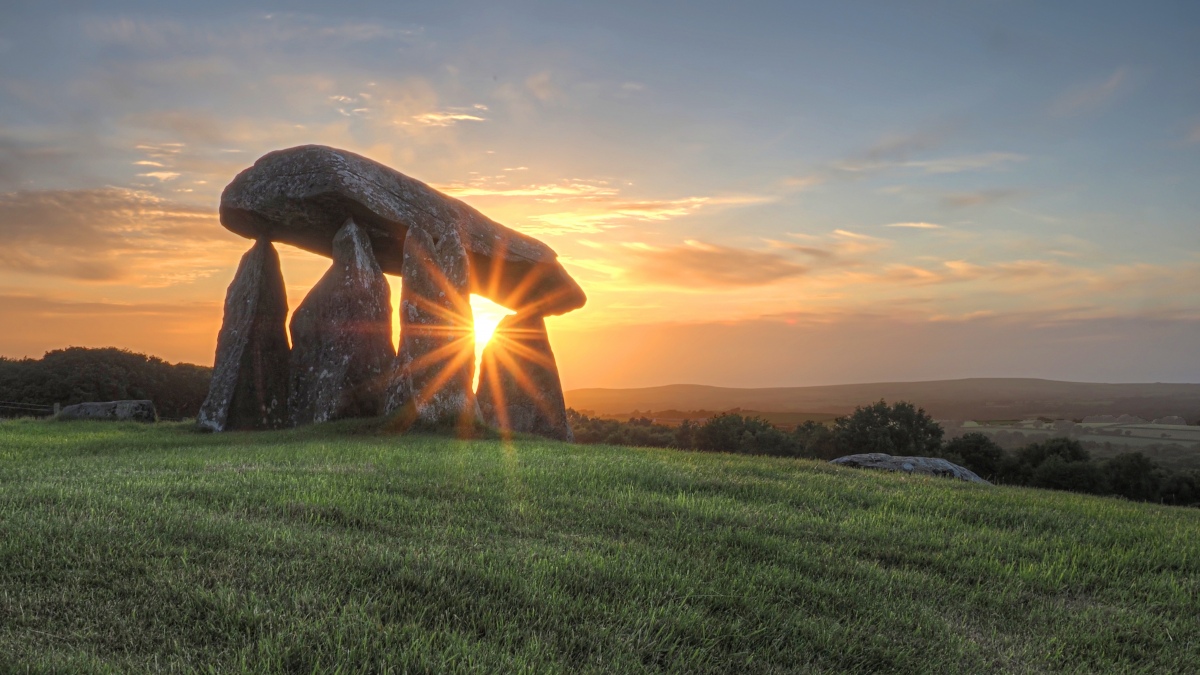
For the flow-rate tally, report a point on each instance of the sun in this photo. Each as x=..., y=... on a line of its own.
x=487, y=316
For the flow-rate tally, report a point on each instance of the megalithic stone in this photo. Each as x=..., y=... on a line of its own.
x=249, y=385
x=342, y=337
x=436, y=361
x=519, y=388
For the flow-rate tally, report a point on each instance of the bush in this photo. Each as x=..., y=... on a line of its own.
x=976, y=452
x=1134, y=476
x=748, y=435
x=816, y=441
x=1056, y=473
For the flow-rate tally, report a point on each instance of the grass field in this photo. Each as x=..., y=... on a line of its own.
x=128, y=548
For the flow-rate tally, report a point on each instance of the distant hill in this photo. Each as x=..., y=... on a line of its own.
x=974, y=398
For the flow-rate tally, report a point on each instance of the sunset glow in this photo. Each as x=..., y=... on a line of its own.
x=801, y=204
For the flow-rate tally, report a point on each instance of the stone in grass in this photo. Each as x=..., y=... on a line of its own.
x=928, y=466
x=111, y=411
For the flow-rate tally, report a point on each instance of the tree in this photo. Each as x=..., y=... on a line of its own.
x=1134, y=476
x=1056, y=473
x=976, y=452
x=816, y=441
x=750, y=435
x=1067, y=449
x=899, y=429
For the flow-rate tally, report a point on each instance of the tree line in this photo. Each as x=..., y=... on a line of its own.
x=903, y=429
x=79, y=374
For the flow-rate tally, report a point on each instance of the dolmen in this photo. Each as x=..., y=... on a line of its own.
x=370, y=220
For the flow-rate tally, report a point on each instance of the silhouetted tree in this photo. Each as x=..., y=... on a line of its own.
x=79, y=374
x=976, y=452
x=1134, y=476
x=899, y=429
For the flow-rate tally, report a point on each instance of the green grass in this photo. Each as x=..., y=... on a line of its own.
x=127, y=548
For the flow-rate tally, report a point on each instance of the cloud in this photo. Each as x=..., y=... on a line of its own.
x=978, y=198
x=542, y=86
x=109, y=235
x=940, y=165
x=484, y=187
x=598, y=216
x=446, y=118
x=707, y=265
x=1194, y=137
x=916, y=226
x=1085, y=97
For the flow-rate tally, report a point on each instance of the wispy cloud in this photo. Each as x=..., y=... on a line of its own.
x=110, y=235
x=940, y=165
x=916, y=226
x=1084, y=97
x=544, y=191
x=597, y=216
x=697, y=264
x=445, y=119
x=979, y=197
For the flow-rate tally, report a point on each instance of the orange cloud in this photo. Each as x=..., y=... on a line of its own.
x=699, y=264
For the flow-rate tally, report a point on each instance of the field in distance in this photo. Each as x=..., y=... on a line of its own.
x=128, y=548
x=967, y=399
x=673, y=418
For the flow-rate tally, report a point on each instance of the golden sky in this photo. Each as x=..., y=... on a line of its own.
x=752, y=199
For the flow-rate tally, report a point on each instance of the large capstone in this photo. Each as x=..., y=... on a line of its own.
x=436, y=361
x=519, y=388
x=249, y=387
x=342, y=337
x=301, y=196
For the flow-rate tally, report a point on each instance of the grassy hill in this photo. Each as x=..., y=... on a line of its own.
x=974, y=398
x=129, y=548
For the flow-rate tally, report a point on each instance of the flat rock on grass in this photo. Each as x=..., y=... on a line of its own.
x=111, y=411
x=928, y=466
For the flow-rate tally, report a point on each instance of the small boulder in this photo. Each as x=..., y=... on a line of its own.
x=929, y=466
x=111, y=411
x=342, y=337
x=249, y=387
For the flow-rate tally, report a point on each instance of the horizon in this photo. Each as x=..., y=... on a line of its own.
x=756, y=198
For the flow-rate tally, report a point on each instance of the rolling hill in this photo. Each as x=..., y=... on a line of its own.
x=974, y=398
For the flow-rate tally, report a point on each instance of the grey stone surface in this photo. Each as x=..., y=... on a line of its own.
x=519, y=387
x=301, y=196
x=929, y=466
x=435, y=366
x=111, y=411
x=342, y=337
x=249, y=386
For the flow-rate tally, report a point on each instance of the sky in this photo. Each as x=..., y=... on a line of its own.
x=751, y=194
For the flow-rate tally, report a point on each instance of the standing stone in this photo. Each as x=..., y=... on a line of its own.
x=436, y=363
x=519, y=388
x=342, y=337
x=250, y=376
